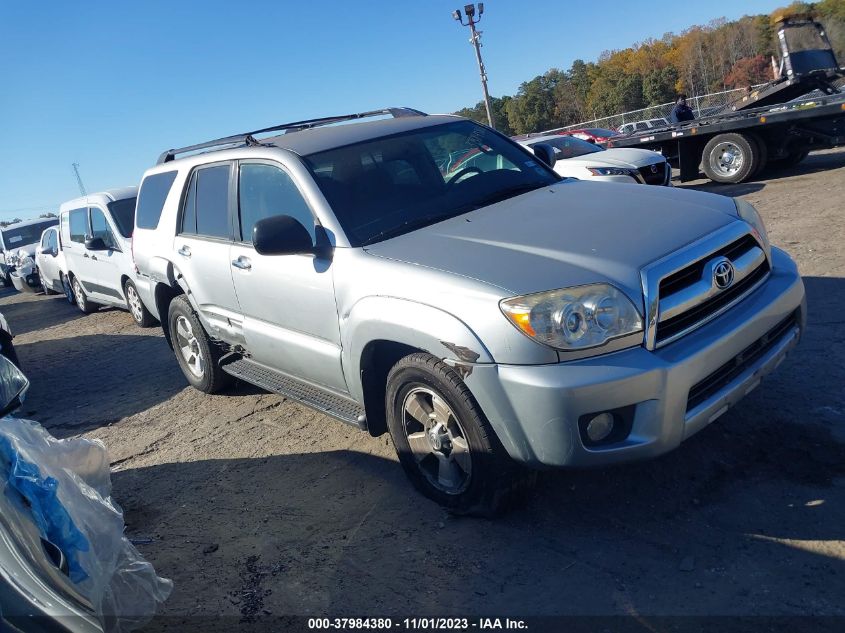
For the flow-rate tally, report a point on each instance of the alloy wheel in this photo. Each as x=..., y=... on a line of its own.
x=189, y=347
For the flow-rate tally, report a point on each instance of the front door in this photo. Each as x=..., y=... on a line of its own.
x=202, y=250
x=288, y=303
x=101, y=276
x=47, y=262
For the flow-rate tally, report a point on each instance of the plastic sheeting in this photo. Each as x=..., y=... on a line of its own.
x=66, y=485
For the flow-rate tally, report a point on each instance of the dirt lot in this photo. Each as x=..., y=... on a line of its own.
x=257, y=507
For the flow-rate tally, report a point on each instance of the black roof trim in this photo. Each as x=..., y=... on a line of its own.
x=248, y=138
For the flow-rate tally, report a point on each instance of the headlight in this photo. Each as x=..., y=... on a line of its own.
x=748, y=213
x=612, y=171
x=574, y=318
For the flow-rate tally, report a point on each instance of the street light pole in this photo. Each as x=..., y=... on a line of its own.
x=475, y=40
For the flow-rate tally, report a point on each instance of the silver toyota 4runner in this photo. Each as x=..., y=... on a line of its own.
x=426, y=276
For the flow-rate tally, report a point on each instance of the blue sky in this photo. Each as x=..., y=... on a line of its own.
x=111, y=84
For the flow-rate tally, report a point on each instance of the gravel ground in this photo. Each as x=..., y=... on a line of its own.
x=257, y=507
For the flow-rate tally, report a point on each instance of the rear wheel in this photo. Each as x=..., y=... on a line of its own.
x=137, y=309
x=81, y=300
x=197, y=355
x=444, y=442
x=731, y=158
x=68, y=290
x=47, y=289
x=792, y=159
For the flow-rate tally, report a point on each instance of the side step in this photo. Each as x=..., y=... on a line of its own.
x=338, y=407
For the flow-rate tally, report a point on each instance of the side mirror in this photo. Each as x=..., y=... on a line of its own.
x=281, y=235
x=545, y=153
x=13, y=384
x=95, y=244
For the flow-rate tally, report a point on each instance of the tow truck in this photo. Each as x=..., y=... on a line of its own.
x=775, y=125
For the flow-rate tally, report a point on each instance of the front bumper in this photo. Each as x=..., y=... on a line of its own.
x=26, y=282
x=535, y=409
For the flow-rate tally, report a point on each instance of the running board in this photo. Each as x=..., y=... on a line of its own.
x=338, y=407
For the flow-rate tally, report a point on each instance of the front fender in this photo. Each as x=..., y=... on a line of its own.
x=410, y=323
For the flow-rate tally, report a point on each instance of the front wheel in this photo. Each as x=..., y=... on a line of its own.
x=81, y=300
x=197, y=355
x=445, y=443
x=68, y=290
x=137, y=309
x=47, y=289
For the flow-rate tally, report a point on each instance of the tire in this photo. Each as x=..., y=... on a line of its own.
x=136, y=307
x=7, y=280
x=190, y=341
x=456, y=459
x=47, y=290
x=80, y=299
x=68, y=290
x=731, y=158
x=762, y=154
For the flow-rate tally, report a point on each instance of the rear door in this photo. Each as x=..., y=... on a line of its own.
x=288, y=302
x=202, y=245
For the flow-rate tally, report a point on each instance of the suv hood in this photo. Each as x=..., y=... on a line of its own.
x=569, y=234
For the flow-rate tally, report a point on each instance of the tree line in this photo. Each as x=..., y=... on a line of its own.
x=717, y=56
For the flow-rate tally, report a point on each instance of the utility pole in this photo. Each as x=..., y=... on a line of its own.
x=79, y=179
x=475, y=40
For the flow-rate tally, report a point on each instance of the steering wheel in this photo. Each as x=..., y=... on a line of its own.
x=463, y=172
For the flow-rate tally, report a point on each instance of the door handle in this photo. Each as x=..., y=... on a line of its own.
x=184, y=251
x=242, y=262
x=94, y=257
x=86, y=255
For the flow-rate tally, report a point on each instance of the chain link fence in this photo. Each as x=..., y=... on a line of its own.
x=658, y=115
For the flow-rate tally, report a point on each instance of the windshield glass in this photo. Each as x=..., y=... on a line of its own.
x=123, y=214
x=570, y=147
x=392, y=185
x=14, y=237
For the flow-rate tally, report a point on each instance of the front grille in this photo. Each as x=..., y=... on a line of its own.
x=654, y=178
x=715, y=382
x=671, y=327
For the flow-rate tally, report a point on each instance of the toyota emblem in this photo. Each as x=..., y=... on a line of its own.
x=723, y=274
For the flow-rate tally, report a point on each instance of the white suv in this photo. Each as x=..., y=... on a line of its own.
x=96, y=232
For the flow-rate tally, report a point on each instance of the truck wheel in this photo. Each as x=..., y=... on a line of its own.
x=762, y=154
x=137, y=309
x=197, y=355
x=81, y=300
x=445, y=443
x=730, y=158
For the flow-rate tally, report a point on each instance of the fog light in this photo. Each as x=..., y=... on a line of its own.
x=600, y=427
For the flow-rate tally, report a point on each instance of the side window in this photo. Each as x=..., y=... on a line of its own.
x=78, y=225
x=45, y=240
x=151, y=198
x=53, y=240
x=264, y=191
x=206, y=209
x=100, y=227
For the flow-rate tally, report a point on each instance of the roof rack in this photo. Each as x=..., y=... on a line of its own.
x=248, y=138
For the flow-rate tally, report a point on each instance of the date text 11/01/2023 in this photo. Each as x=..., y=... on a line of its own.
x=417, y=624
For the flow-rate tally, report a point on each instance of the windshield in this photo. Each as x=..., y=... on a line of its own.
x=392, y=185
x=123, y=214
x=570, y=147
x=14, y=237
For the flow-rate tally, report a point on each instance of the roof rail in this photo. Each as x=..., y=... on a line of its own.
x=248, y=138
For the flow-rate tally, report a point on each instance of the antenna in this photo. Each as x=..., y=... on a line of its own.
x=79, y=179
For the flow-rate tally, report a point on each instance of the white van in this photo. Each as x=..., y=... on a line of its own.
x=96, y=233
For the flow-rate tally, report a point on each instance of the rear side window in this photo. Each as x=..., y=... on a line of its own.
x=206, y=209
x=151, y=198
x=78, y=225
x=123, y=214
x=265, y=191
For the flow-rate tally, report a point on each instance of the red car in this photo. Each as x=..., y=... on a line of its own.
x=594, y=134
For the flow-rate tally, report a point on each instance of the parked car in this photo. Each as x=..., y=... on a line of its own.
x=491, y=318
x=594, y=134
x=19, y=240
x=575, y=158
x=96, y=240
x=641, y=126
x=50, y=262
